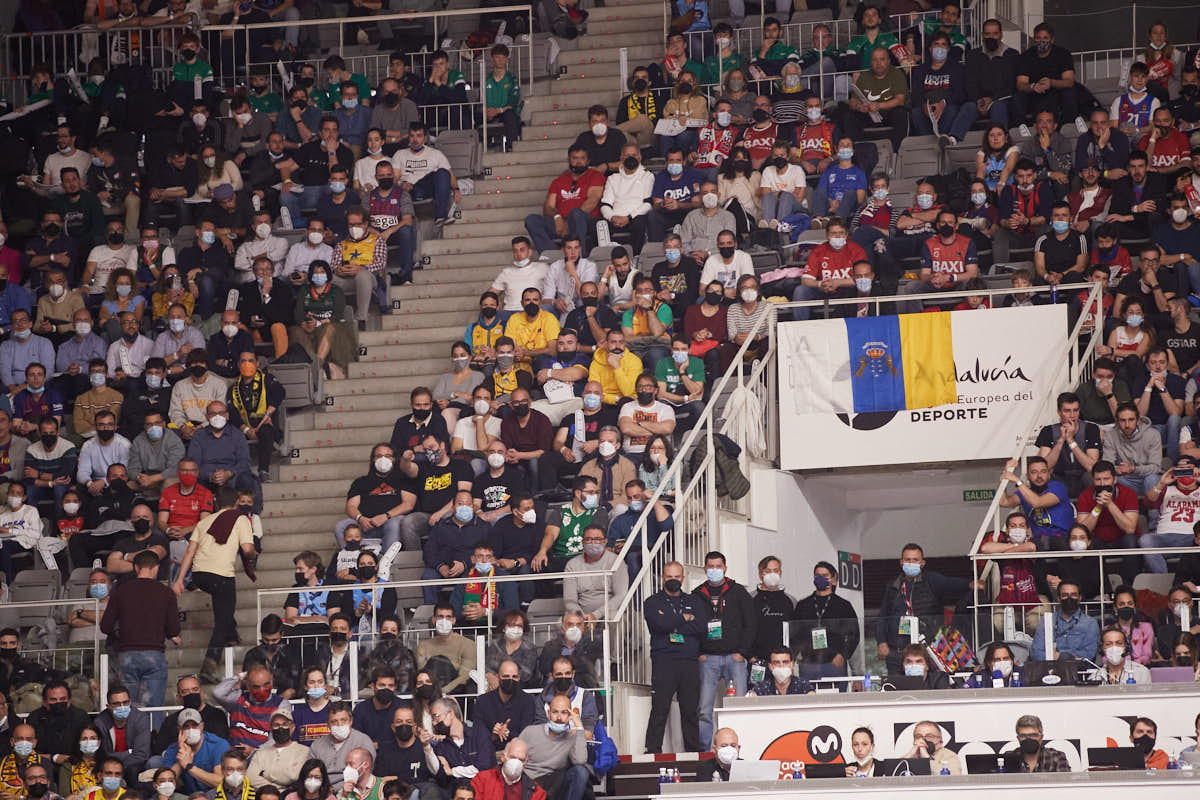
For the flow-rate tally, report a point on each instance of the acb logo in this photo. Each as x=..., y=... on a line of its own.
x=821, y=745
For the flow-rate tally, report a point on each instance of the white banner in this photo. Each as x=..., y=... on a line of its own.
x=816, y=729
x=1004, y=362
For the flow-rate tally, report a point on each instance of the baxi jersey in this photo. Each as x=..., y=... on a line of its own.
x=952, y=259
x=1179, y=510
x=815, y=142
x=759, y=142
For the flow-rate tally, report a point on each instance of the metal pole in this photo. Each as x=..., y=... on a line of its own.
x=103, y=677
x=483, y=102
x=1133, y=28
x=352, y=657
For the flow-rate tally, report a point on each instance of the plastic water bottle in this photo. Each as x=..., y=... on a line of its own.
x=868, y=684
x=798, y=775
x=285, y=218
x=945, y=771
x=1172, y=764
x=730, y=691
x=662, y=776
x=1000, y=765
x=1014, y=682
x=676, y=777
x=1130, y=681
x=997, y=679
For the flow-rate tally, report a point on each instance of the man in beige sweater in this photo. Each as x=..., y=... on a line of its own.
x=453, y=646
x=279, y=761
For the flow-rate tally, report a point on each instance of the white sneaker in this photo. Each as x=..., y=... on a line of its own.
x=784, y=227
x=385, y=564
x=1080, y=125
x=1024, y=131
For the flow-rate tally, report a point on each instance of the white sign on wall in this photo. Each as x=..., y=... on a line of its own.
x=847, y=397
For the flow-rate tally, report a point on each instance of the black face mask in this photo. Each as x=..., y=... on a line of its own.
x=403, y=732
x=487, y=313
x=384, y=696
x=591, y=302
x=353, y=544
x=1183, y=661
x=510, y=686
x=1068, y=605
x=386, y=184
x=685, y=88
x=300, y=579
x=48, y=441
x=366, y=573
x=991, y=45
x=1126, y=614
x=640, y=85
x=780, y=164
x=645, y=398
x=191, y=701
x=187, y=54
x=631, y=163
x=760, y=115
x=141, y=525
x=521, y=409
x=305, y=82
x=106, y=436
x=425, y=691
x=246, y=510
x=261, y=89
x=391, y=99
x=672, y=585
x=281, y=736
x=578, y=169
x=727, y=252
x=198, y=370
x=300, y=104
x=566, y=355
x=58, y=708
x=52, y=230
x=1030, y=746
x=1145, y=743
x=946, y=231
x=388, y=637
x=713, y=298
x=741, y=165
x=37, y=790
x=532, y=309
x=337, y=638
x=116, y=237
x=441, y=729
x=421, y=414
x=563, y=684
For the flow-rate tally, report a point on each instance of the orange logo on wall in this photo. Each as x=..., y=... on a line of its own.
x=822, y=745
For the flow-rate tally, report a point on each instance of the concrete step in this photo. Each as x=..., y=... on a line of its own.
x=499, y=197
x=548, y=133
x=504, y=213
x=343, y=470
x=361, y=435
x=380, y=402
x=354, y=453
x=285, y=532
x=503, y=185
x=590, y=69
x=336, y=420
x=409, y=368
x=486, y=265
x=406, y=353
x=485, y=230
x=520, y=164
x=543, y=147
x=591, y=52
x=415, y=336
x=412, y=319
x=469, y=291
x=568, y=101
x=626, y=11
x=278, y=496
x=493, y=244
x=645, y=35
x=591, y=85
x=394, y=388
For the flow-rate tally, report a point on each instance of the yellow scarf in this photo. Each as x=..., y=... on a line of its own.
x=257, y=389
x=637, y=105
x=10, y=777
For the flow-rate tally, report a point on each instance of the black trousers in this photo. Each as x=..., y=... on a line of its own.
x=84, y=547
x=268, y=437
x=223, y=592
x=670, y=679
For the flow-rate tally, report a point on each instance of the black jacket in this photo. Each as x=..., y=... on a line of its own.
x=140, y=400
x=774, y=610
x=706, y=768
x=275, y=398
x=739, y=619
x=664, y=616
x=927, y=593
x=57, y=734
x=993, y=77
x=1124, y=198
x=833, y=613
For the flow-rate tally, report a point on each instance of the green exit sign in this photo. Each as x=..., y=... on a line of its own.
x=978, y=495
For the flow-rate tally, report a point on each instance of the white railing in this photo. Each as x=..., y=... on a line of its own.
x=1113, y=62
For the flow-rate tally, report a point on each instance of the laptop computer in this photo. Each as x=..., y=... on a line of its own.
x=754, y=771
x=1118, y=757
x=1192, y=757
x=904, y=766
x=825, y=770
x=1051, y=673
x=987, y=763
x=1172, y=674
x=903, y=683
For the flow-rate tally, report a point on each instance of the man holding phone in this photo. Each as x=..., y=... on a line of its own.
x=1177, y=495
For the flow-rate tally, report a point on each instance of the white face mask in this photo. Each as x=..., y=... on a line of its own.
x=837, y=242
x=165, y=789
x=312, y=784
x=727, y=754
x=607, y=449
x=234, y=779
x=229, y=330
x=813, y=113
x=194, y=736
x=710, y=200
x=781, y=674
x=1179, y=215
x=529, y=517
x=599, y=129
x=350, y=775
x=1078, y=544
x=217, y=422
x=514, y=632
x=83, y=328
x=57, y=290
x=771, y=579
x=495, y=460
x=443, y=626
x=1115, y=654
x=341, y=733
x=262, y=230
x=482, y=407
x=573, y=634
x=513, y=767
x=71, y=508
x=357, y=232
x=15, y=502
x=1004, y=667
x=199, y=120
x=210, y=161
x=1018, y=535
x=315, y=237
x=749, y=295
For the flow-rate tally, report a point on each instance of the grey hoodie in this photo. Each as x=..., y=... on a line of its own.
x=1144, y=449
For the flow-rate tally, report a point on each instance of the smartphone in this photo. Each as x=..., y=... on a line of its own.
x=1182, y=472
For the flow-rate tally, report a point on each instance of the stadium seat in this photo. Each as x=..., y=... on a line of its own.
x=34, y=586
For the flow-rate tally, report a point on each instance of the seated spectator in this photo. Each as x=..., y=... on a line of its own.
x=624, y=202
x=527, y=433
x=676, y=191
x=604, y=145
x=615, y=368
x=1159, y=396
x=404, y=754
x=1071, y=447
x=715, y=140
x=616, y=281
x=23, y=348
x=515, y=539
x=946, y=259
x=474, y=434
x=1060, y=255
x=1132, y=110
x=992, y=74
x=525, y=273
x=783, y=679
x=425, y=173
x=999, y=668
x=322, y=330
x=49, y=464
x=1050, y=153
x=1173, y=492
x=828, y=270
x=702, y=226
x=610, y=468
x=843, y=186
x=593, y=597
x=479, y=601
x=728, y=265
x=333, y=747
x=36, y=402
x=59, y=311
x=563, y=538
x=781, y=189
x=1089, y=202
x=1118, y=666
x=448, y=547
x=191, y=396
x=887, y=85
x=1138, y=630
x=505, y=711
x=222, y=454
x=996, y=158
x=689, y=109
x=572, y=204
x=1044, y=495
x=152, y=455
x=939, y=95
x=562, y=376
x=512, y=645
x=1104, y=145
x=590, y=320
x=253, y=399
x=1110, y=510
x=561, y=770
x=333, y=205
x=1075, y=633
x=1024, y=209
x=1179, y=237
x=1045, y=79
x=566, y=276
x=1132, y=339
x=101, y=397
x=445, y=644
x=1166, y=148
x=533, y=330
x=195, y=757
x=24, y=526
x=680, y=379
x=647, y=324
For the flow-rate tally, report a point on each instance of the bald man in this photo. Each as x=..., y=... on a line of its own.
x=557, y=757
x=493, y=783
x=725, y=745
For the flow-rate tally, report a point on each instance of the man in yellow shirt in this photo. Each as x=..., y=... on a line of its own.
x=534, y=331
x=615, y=368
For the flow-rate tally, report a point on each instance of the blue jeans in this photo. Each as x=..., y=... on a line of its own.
x=777, y=205
x=295, y=202
x=955, y=121
x=713, y=668
x=389, y=532
x=998, y=112
x=802, y=293
x=1170, y=436
x=823, y=70
x=574, y=783
x=541, y=229
x=1142, y=484
x=687, y=141
x=1157, y=562
x=405, y=239
x=144, y=673
x=1193, y=271
x=436, y=185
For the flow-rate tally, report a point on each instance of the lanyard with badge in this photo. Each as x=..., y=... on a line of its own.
x=718, y=604
x=675, y=637
x=820, y=635
x=908, y=623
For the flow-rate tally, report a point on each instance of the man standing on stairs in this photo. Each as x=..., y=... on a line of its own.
x=216, y=543
x=572, y=204
x=425, y=173
x=626, y=199
x=143, y=614
x=677, y=623
x=392, y=216
x=728, y=640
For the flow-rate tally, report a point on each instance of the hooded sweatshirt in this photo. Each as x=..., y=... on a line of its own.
x=1143, y=449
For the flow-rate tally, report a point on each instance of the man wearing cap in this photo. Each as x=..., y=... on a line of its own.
x=279, y=761
x=196, y=756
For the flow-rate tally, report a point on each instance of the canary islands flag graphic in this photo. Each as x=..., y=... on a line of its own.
x=860, y=365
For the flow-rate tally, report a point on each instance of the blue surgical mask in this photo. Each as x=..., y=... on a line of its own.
x=978, y=198
x=672, y=254
x=97, y=379
x=316, y=693
x=23, y=748
x=674, y=170
x=111, y=783
x=924, y=201
x=558, y=727
x=592, y=401
x=154, y=381
x=911, y=570
x=914, y=670
x=880, y=195
x=25, y=334
x=845, y=154
x=591, y=500
x=939, y=53
x=208, y=237
x=637, y=505
x=154, y=432
x=1060, y=225
x=98, y=590
x=38, y=390
x=862, y=284
x=482, y=568
x=714, y=574
x=464, y=513
x=122, y=712
x=89, y=747
x=349, y=102
x=320, y=279
x=337, y=187
x=679, y=356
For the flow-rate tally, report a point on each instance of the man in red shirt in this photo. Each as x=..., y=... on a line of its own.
x=814, y=139
x=183, y=505
x=760, y=137
x=1110, y=511
x=1166, y=148
x=572, y=205
x=947, y=259
x=829, y=272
